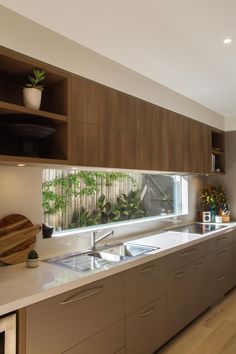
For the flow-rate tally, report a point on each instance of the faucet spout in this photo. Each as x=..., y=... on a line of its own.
x=95, y=240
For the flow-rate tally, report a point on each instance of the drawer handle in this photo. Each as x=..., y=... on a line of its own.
x=179, y=275
x=148, y=312
x=82, y=295
x=147, y=269
x=185, y=254
x=198, y=265
x=221, y=253
x=222, y=277
x=221, y=239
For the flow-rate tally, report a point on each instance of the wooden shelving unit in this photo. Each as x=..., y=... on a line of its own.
x=218, y=151
x=28, y=135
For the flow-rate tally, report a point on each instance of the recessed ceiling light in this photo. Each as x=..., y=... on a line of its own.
x=228, y=40
x=21, y=164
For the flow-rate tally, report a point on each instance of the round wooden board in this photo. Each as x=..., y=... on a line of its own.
x=17, y=238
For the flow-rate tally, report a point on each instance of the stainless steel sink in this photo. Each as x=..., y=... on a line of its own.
x=80, y=262
x=102, y=258
x=122, y=251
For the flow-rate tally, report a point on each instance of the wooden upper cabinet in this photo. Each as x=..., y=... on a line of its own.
x=90, y=102
x=116, y=130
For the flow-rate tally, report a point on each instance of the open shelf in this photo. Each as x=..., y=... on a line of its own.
x=28, y=134
x=7, y=108
x=218, y=151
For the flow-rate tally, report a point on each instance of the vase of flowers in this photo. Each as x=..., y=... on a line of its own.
x=214, y=199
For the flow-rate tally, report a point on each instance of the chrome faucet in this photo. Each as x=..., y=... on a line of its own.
x=95, y=240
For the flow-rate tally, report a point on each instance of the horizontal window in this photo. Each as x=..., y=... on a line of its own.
x=78, y=199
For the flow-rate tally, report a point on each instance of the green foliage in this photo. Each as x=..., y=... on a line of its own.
x=57, y=195
x=33, y=255
x=78, y=184
x=128, y=207
x=36, y=79
x=214, y=196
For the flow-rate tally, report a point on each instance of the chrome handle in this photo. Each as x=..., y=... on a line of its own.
x=179, y=275
x=147, y=269
x=198, y=265
x=188, y=253
x=221, y=253
x=148, y=312
x=221, y=239
x=222, y=277
x=82, y=295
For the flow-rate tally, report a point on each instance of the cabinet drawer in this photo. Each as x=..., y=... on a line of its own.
x=198, y=301
x=65, y=320
x=218, y=286
x=220, y=241
x=186, y=256
x=178, y=300
x=146, y=328
x=108, y=341
x=218, y=261
x=145, y=283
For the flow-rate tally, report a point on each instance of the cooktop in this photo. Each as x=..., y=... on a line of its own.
x=198, y=228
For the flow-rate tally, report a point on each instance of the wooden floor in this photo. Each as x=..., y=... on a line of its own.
x=212, y=333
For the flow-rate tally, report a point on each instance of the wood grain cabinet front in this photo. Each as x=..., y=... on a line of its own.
x=61, y=322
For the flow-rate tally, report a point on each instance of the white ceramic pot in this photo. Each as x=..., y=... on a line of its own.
x=32, y=97
x=218, y=218
x=32, y=263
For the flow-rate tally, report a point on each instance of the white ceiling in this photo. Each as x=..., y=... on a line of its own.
x=178, y=43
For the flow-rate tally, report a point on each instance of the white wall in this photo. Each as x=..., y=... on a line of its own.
x=20, y=192
x=230, y=123
x=25, y=36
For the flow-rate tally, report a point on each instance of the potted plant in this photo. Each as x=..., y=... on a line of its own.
x=214, y=198
x=32, y=92
x=32, y=260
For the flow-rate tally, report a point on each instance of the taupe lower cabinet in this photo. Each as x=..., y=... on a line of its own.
x=62, y=322
x=138, y=310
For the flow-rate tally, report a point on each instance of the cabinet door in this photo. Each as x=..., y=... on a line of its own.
x=218, y=261
x=218, y=285
x=145, y=283
x=178, y=300
x=232, y=281
x=108, y=341
x=197, y=287
x=87, y=144
x=90, y=101
x=119, y=150
x=186, y=256
x=146, y=328
x=63, y=321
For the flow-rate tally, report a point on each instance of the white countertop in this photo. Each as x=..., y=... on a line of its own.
x=21, y=286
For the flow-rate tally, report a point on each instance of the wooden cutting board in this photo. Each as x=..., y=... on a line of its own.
x=17, y=238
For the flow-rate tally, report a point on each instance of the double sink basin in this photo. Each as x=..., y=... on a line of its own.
x=101, y=258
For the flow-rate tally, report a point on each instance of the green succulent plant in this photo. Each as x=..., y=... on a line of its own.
x=33, y=255
x=36, y=79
